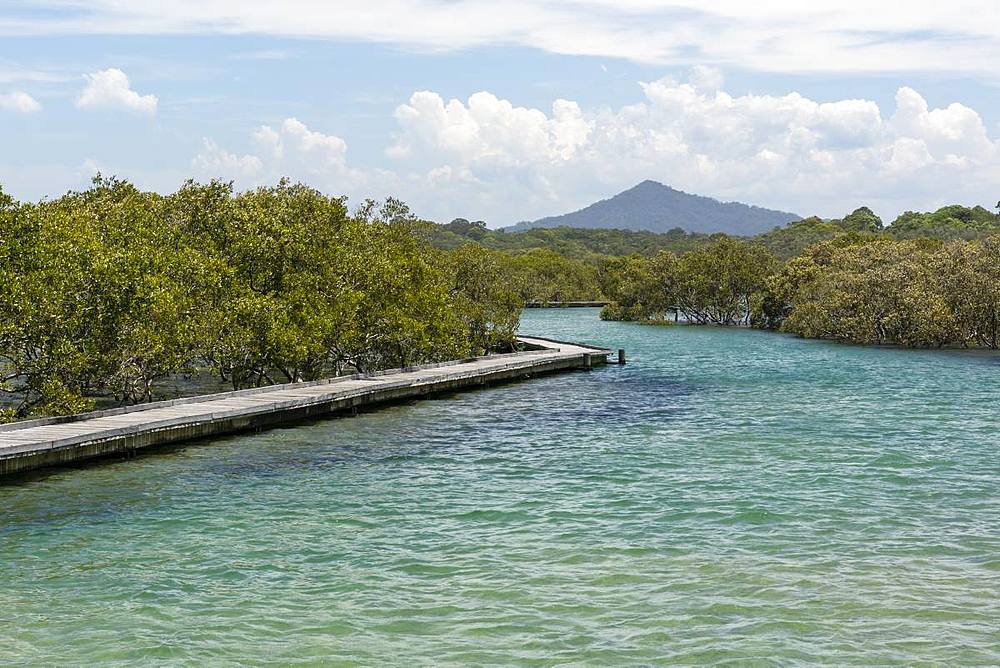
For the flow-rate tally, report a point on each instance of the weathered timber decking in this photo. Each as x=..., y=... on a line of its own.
x=35, y=444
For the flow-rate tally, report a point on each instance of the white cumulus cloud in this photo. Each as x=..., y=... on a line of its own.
x=488, y=158
x=19, y=101
x=215, y=161
x=327, y=150
x=110, y=89
x=291, y=149
x=506, y=162
x=486, y=128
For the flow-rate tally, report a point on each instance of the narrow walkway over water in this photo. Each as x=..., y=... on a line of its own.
x=50, y=441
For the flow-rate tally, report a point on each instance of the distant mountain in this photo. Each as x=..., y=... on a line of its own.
x=658, y=208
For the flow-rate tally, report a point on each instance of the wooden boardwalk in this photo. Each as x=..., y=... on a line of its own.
x=35, y=444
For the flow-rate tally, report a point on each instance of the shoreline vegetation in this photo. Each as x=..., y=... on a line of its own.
x=928, y=280
x=860, y=287
x=115, y=296
x=108, y=292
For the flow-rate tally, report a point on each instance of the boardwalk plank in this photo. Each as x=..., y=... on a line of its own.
x=62, y=440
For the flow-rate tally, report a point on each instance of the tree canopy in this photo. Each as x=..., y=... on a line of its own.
x=107, y=292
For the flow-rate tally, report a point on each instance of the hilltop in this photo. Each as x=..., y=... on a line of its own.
x=655, y=207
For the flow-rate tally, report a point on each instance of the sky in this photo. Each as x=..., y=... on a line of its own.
x=510, y=111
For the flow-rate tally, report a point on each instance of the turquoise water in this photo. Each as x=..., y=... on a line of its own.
x=727, y=497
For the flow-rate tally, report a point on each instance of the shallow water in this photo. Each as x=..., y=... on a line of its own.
x=728, y=496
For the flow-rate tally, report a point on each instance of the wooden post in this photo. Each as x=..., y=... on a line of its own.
x=621, y=356
x=677, y=314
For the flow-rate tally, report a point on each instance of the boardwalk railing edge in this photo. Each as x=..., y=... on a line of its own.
x=598, y=349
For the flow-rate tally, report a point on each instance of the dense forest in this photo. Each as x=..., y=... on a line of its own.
x=110, y=293
x=926, y=280
x=107, y=292
x=856, y=288
x=947, y=223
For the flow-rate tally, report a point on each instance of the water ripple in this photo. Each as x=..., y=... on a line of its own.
x=728, y=498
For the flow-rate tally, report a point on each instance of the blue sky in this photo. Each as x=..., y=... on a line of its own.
x=463, y=109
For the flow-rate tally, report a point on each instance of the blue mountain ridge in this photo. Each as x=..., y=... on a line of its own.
x=658, y=208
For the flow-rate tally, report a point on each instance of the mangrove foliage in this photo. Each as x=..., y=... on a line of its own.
x=108, y=292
